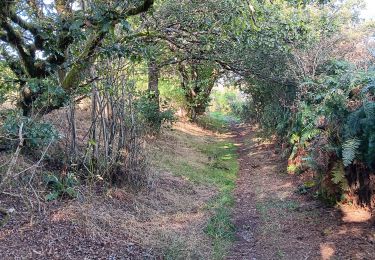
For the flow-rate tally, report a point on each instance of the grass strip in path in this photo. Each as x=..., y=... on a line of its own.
x=209, y=161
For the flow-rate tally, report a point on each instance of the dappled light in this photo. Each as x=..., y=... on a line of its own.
x=327, y=251
x=354, y=214
x=181, y=129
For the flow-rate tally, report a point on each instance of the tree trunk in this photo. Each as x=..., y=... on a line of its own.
x=197, y=87
x=153, y=81
x=25, y=101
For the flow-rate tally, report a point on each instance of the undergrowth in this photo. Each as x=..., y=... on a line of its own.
x=221, y=172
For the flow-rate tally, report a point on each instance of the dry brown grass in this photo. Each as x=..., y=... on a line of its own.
x=169, y=216
x=166, y=218
x=155, y=220
x=181, y=145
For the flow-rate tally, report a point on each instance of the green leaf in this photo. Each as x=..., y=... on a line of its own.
x=338, y=174
x=349, y=150
x=125, y=25
x=51, y=179
x=52, y=196
x=76, y=25
x=71, y=192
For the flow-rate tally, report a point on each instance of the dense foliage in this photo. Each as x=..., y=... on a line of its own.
x=316, y=96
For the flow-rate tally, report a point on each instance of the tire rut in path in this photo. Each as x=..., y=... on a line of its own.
x=244, y=215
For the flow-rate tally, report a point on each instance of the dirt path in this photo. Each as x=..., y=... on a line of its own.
x=273, y=221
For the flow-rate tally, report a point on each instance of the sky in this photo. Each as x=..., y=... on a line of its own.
x=369, y=13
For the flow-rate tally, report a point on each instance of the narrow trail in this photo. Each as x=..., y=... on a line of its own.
x=273, y=221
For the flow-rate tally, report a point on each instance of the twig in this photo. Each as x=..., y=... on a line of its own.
x=12, y=194
x=15, y=156
x=36, y=165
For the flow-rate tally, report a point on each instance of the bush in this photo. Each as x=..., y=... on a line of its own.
x=330, y=127
x=228, y=101
x=274, y=119
x=215, y=121
x=35, y=134
x=61, y=186
x=148, y=109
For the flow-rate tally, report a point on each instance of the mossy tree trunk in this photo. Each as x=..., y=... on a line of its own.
x=197, y=81
x=34, y=32
x=153, y=82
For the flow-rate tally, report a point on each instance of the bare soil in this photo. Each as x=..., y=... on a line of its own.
x=274, y=221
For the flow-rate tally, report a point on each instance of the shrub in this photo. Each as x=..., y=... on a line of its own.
x=35, y=133
x=274, y=120
x=61, y=186
x=148, y=109
x=330, y=126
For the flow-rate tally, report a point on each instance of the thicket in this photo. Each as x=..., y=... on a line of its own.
x=317, y=97
x=331, y=132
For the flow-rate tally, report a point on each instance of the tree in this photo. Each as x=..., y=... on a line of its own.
x=187, y=33
x=197, y=80
x=40, y=40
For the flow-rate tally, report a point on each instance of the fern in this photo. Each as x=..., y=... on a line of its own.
x=370, y=88
x=311, y=163
x=309, y=134
x=338, y=176
x=353, y=125
x=349, y=150
x=369, y=109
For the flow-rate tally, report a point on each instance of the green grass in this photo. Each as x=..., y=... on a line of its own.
x=217, y=121
x=220, y=171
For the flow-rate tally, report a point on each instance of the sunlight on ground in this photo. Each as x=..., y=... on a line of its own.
x=354, y=215
x=327, y=251
x=195, y=130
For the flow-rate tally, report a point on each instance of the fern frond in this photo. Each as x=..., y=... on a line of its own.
x=353, y=125
x=349, y=150
x=338, y=174
x=309, y=134
x=369, y=108
x=370, y=156
x=369, y=88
